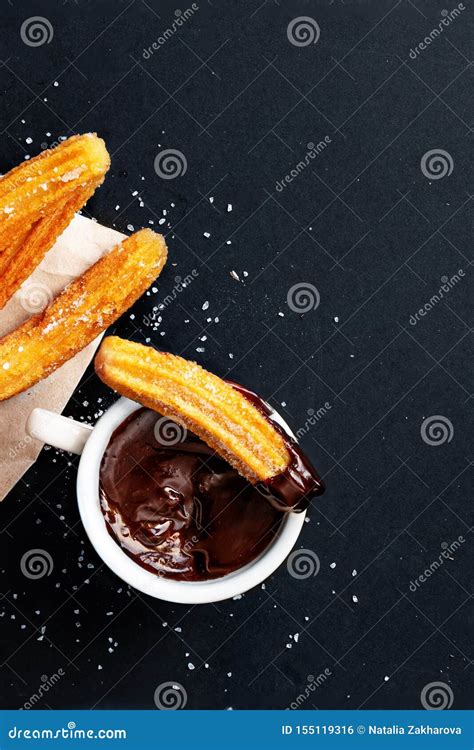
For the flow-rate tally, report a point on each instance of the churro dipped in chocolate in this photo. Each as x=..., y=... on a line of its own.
x=235, y=422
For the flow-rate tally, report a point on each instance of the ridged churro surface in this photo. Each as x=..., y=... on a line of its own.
x=84, y=309
x=29, y=190
x=38, y=200
x=200, y=401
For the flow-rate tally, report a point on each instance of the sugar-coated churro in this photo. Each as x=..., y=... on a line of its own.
x=39, y=198
x=83, y=310
x=200, y=401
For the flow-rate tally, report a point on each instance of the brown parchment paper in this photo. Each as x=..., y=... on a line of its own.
x=83, y=242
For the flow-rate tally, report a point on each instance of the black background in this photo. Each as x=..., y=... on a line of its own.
x=365, y=226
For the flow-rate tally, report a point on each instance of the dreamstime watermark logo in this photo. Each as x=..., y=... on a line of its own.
x=170, y=164
x=169, y=433
x=303, y=31
x=446, y=285
x=436, y=164
x=170, y=696
x=303, y=297
x=71, y=732
x=45, y=145
x=436, y=696
x=36, y=563
x=34, y=297
x=447, y=17
x=313, y=683
x=36, y=31
x=303, y=563
x=46, y=684
x=181, y=17
x=314, y=415
x=180, y=285
x=314, y=149
x=447, y=552
x=437, y=430
x=19, y=447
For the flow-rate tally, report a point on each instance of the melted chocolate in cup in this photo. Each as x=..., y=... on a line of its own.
x=181, y=511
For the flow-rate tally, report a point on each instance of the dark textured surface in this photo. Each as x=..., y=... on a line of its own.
x=374, y=235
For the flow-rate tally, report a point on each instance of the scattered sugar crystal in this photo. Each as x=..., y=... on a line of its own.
x=205, y=305
x=229, y=207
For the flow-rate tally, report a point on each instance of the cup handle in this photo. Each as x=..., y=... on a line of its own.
x=57, y=430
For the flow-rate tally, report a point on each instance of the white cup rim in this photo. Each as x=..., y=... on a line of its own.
x=181, y=592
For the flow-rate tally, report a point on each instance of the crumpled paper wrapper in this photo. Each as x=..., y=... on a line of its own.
x=83, y=242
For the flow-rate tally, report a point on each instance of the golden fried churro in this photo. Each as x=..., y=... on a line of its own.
x=22, y=257
x=38, y=186
x=83, y=309
x=200, y=401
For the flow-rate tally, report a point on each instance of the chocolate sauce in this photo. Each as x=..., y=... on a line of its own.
x=181, y=511
x=293, y=488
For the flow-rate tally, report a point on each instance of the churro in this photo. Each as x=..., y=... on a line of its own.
x=39, y=198
x=200, y=401
x=80, y=312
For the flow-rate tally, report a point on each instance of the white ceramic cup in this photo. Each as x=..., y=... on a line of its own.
x=91, y=442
